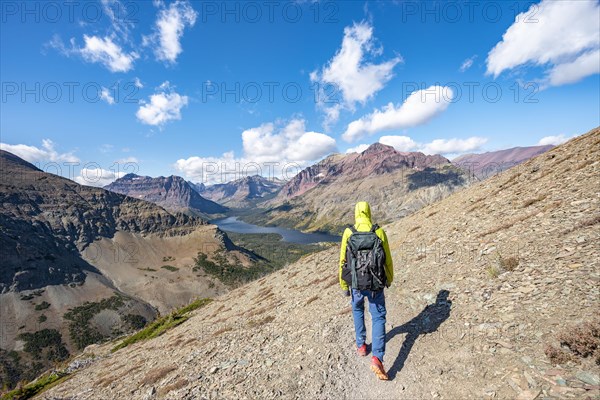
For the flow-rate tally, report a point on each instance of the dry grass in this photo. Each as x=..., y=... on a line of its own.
x=221, y=331
x=583, y=340
x=311, y=300
x=584, y=164
x=534, y=200
x=334, y=281
x=431, y=214
x=156, y=374
x=508, y=263
x=345, y=311
x=585, y=223
x=174, y=386
x=261, y=322
x=414, y=228
x=578, y=342
x=508, y=224
x=493, y=271
x=557, y=356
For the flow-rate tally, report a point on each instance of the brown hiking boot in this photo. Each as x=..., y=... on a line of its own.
x=362, y=350
x=377, y=367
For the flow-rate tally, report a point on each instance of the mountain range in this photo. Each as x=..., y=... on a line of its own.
x=322, y=196
x=487, y=164
x=173, y=193
x=243, y=192
x=68, y=249
x=495, y=295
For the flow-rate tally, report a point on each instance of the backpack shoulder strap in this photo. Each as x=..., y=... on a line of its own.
x=352, y=228
x=374, y=227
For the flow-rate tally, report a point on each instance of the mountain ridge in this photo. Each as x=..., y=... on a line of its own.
x=486, y=282
x=173, y=193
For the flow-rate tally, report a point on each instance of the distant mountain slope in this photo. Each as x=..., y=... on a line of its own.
x=322, y=196
x=243, y=192
x=173, y=193
x=65, y=247
x=486, y=282
x=487, y=164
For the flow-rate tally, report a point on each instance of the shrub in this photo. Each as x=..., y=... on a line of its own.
x=509, y=263
x=42, y=306
x=170, y=268
x=161, y=325
x=49, y=339
x=135, y=321
x=80, y=330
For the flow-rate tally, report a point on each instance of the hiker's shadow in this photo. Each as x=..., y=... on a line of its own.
x=427, y=321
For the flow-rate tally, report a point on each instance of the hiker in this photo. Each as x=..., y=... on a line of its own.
x=365, y=270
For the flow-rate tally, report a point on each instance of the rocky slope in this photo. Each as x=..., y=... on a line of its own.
x=486, y=282
x=490, y=163
x=63, y=244
x=173, y=193
x=321, y=196
x=243, y=192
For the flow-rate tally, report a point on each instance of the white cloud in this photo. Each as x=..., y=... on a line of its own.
x=97, y=177
x=170, y=24
x=400, y=143
x=35, y=154
x=453, y=146
x=291, y=143
x=586, y=64
x=163, y=106
x=563, y=36
x=138, y=83
x=437, y=146
x=271, y=149
x=107, y=52
x=355, y=79
x=106, y=96
x=358, y=149
x=554, y=140
x=468, y=63
x=417, y=109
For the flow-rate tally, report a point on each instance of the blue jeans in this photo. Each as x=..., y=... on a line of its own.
x=378, y=313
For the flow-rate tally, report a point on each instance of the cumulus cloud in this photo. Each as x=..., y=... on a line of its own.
x=437, y=146
x=105, y=51
x=452, y=146
x=106, y=96
x=162, y=107
x=97, y=177
x=271, y=149
x=562, y=36
x=418, y=108
x=468, y=63
x=400, y=143
x=35, y=154
x=358, y=149
x=355, y=79
x=554, y=140
x=170, y=25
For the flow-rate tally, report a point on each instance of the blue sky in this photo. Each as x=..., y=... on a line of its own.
x=192, y=88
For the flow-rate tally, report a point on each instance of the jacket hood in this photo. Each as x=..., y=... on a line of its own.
x=362, y=213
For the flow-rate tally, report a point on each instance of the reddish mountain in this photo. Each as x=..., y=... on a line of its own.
x=487, y=164
x=173, y=193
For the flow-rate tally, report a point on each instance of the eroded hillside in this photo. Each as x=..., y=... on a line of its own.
x=486, y=282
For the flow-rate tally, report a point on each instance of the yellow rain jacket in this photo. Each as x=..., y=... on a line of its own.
x=362, y=223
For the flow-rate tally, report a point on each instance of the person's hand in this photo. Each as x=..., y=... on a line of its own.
x=347, y=292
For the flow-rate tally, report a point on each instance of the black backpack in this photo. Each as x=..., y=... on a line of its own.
x=365, y=261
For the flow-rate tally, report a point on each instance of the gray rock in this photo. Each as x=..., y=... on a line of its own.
x=588, y=377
